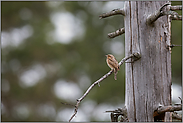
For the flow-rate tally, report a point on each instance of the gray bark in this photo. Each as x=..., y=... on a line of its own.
x=148, y=80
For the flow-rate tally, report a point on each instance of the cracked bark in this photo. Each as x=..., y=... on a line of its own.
x=148, y=80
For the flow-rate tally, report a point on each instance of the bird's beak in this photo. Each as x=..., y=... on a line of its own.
x=106, y=55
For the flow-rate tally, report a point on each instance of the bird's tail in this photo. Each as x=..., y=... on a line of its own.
x=115, y=73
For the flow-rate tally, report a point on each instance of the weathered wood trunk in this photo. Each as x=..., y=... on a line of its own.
x=148, y=80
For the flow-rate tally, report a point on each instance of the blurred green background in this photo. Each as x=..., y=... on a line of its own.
x=53, y=51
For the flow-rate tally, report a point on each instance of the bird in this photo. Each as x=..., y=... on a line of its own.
x=113, y=64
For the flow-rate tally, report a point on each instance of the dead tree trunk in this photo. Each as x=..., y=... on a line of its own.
x=148, y=80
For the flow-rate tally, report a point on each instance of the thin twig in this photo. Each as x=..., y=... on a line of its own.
x=173, y=15
x=116, y=113
x=116, y=33
x=111, y=13
x=119, y=111
x=176, y=17
x=180, y=99
x=173, y=45
x=178, y=7
x=98, y=81
x=176, y=116
x=67, y=104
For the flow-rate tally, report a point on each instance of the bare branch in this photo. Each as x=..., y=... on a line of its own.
x=180, y=99
x=153, y=17
x=170, y=108
x=176, y=17
x=163, y=109
x=116, y=113
x=170, y=13
x=178, y=7
x=116, y=33
x=113, y=12
x=66, y=104
x=119, y=111
x=98, y=81
x=172, y=46
x=173, y=15
x=75, y=110
x=176, y=116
